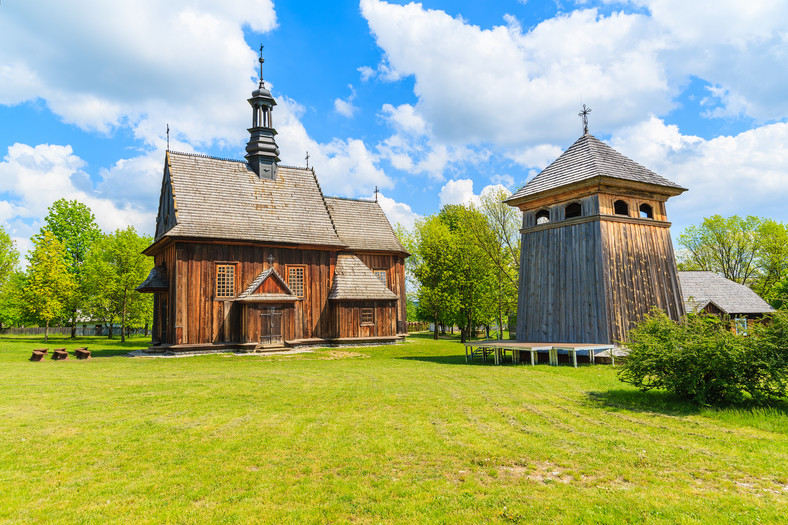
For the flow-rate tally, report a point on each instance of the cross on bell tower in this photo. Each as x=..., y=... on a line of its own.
x=584, y=115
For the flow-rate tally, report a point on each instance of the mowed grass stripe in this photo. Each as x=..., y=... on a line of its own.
x=408, y=434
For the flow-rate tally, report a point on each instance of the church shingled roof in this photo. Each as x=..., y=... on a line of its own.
x=354, y=281
x=225, y=199
x=589, y=158
x=362, y=225
x=156, y=280
x=700, y=288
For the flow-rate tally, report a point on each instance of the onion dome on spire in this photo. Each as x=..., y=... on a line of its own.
x=262, y=152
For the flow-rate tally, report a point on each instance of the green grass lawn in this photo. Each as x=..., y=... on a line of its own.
x=405, y=433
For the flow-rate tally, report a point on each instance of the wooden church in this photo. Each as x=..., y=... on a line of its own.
x=596, y=249
x=250, y=254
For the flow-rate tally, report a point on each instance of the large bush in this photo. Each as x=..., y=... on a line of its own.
x=701, y=360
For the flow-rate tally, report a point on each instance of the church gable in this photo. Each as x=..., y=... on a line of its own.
x=268, y=287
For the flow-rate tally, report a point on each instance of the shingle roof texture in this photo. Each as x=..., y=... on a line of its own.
x=362, y=225
x=156, y=281
x=588, y=158
x=698, y=288
x=354, y=281
x=225, y=199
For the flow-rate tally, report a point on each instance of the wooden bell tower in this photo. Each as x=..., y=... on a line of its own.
x=596, y=249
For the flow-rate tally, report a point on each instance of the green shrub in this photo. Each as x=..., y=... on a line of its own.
x=701, y=360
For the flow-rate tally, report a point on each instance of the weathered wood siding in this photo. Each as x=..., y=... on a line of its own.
x=590, y=282
x=561, y=295
x=200, y=317
x=640, y=274
x=348, y=318
x=395, y=280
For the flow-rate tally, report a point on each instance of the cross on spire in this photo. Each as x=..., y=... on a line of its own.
x=307, y=159
x=261, y=60
x=376, y=193
x=584, y=114
x=168, y=137
x=271, y=260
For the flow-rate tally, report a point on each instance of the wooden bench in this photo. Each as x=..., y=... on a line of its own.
x=38, y=354
x=82, y=353
x=59, y=354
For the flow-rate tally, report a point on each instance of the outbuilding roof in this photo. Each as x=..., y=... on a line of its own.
x=354, y=281
x=225, y=199
x=362, y=225
x=701, y=288
x=589, y=158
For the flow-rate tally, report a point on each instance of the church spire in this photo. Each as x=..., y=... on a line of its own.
x=262, y=152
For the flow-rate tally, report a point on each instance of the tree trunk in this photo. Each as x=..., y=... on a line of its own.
x=146, y=328
x=110, y=329
x=46, y=332
x=435, y=333
x=73, y=323
x=123, y=320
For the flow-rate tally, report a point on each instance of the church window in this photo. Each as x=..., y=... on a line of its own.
x=381, y=274
x=621, y=208
x=573, y=210
x=367, y=316
x=225, y=280
x=646, y=212
x=542, y=217
x=295, y=279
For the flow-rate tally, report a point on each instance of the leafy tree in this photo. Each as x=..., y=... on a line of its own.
x=49, y=283
x=73, y=224
x=474, y=282
x=431, y=263
x=114, y=268
x=9, y=262
x=11, y=300
x=771, y=257
x=728, y=246
x=496, y=232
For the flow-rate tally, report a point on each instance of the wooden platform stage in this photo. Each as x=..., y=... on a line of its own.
x=498, y=349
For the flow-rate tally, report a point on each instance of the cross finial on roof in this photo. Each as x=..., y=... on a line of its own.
x=261, y=60
x=584, y=114
x=307, y=159
x=168, y=137
x=270, y=260
x=376, y=193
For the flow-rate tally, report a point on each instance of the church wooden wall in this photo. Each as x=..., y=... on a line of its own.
x=348, y=318
x=201, y=318
x=395, y=278
x=561, y=298
x=640, y=273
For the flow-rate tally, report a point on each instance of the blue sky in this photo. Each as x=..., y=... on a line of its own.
x=431, y=102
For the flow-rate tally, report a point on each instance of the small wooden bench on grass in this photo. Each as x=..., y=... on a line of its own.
x=59, y=354
x=38, y=354
x=82, y=353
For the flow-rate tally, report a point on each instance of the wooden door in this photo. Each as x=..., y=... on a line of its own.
x=271, y=325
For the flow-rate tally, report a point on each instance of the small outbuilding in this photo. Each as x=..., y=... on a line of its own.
x=713, y=294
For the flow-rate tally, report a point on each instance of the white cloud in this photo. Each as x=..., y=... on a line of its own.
x=343, y=167
x=504, y=180
x=460, y=191
x=398, y=212
x=536, y=156
x=86, y=60
x=745, y=174
x=32, y=178
x=405, y=119
x=519, y=88
x=345, y=107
